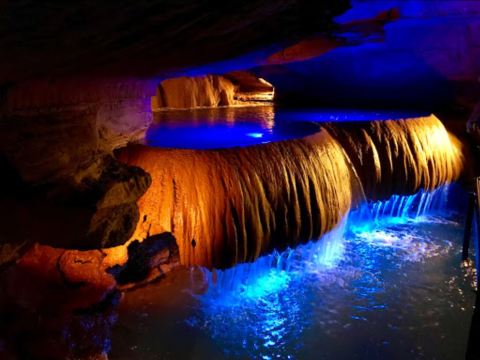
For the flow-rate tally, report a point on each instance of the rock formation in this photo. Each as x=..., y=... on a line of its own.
x=401, y=156
x=70, y=296
x=232, y=205
x=236, y=88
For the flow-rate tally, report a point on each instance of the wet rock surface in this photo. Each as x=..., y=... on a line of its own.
x=152, y=258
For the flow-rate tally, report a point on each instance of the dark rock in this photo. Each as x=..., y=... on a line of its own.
x=151, y=258
x=111, y=226
x=473, y=124
x=9, y=253
x=115, y=193
x=47, y=147
x=146, y=37
x=118, y=184
x=97, y=211
x=473, y=348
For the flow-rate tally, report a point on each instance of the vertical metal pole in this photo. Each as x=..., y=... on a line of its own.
x=468, y=226
x=477, y=237
x=473, y=348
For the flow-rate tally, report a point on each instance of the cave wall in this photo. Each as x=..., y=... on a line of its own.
x=238, y=88
x=51, y=129
x=426, y=57
x=145, y=38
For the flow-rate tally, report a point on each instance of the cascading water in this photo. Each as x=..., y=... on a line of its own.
x=400, y=208
x=365, y=269
x=381, y=281
x=271, y=273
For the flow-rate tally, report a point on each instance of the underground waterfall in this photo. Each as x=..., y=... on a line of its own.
x=271, y=180
x=230, y=206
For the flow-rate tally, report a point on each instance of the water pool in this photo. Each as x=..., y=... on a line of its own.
x=244, y=126
x=386, y=285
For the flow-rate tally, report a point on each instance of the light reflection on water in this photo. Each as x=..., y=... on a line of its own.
x=384, y=291
x=245, y=126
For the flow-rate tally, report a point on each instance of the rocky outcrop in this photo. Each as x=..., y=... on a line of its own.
x=49, y=130
x=58, y=304
x=56, y=140
x=115, y=193
x=66, y=280
x=96, y=210
x=250, y=89
x=149, y=259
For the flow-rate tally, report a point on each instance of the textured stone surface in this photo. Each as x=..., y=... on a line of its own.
x=95, y=211
x=145, y=38
x=50, y=130
x=236, y=88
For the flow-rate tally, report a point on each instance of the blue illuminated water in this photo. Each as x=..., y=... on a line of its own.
x=223, y=128
x=245, y=126
x=386, y=284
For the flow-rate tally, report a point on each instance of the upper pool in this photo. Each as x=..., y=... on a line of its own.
x=244, y=126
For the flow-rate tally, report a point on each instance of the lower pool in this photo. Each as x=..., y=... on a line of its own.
x=386, y=284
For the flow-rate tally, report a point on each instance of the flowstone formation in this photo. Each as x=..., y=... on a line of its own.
x=229, y=206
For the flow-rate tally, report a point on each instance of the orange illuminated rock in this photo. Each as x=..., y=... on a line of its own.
x=64, y=280
x=233, y=89
x=232, y=205
x=400, y=156
x=61, y=281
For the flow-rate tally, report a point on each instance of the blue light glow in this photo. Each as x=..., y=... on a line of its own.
x=255, y=135
x=223, y=128
x=280, y=305
x=400, y=209
x=271, y=274
x=230, y=127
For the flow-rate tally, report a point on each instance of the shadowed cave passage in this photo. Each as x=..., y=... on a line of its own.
x=229, y=206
